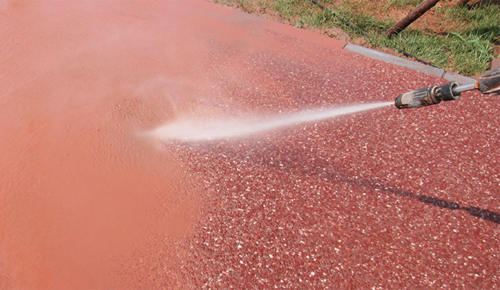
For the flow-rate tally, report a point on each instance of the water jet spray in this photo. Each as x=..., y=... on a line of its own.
x=195, y=130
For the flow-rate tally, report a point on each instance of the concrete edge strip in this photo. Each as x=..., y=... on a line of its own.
x=409, y=64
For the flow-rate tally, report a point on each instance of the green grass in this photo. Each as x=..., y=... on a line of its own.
x=468, y=50
x=308, y=13
x=466, y=54
x=402, y=3
x=291, y=8
x=365, y=22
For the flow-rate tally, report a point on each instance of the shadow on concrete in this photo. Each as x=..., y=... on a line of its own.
x=434, y=201
x=295, y=161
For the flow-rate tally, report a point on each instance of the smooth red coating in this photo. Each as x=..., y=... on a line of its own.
x=384, y=199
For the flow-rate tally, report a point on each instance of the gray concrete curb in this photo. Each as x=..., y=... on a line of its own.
x=409, y=64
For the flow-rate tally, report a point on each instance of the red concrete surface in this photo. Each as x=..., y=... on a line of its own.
x=384, y=199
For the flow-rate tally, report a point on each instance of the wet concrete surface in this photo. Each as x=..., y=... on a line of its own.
x=383, y=199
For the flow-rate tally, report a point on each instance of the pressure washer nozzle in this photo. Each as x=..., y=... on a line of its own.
x=427, y=96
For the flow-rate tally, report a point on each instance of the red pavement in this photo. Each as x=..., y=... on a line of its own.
x=384, y=199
